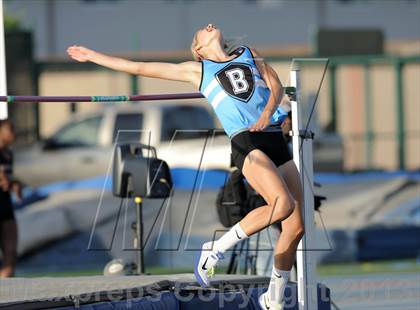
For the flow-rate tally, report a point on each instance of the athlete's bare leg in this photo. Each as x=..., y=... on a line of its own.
x=293, y=226
x=261, y=173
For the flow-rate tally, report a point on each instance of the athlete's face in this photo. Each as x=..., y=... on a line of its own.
x=7, y=134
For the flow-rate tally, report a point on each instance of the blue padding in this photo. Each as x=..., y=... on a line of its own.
x=324, y=297
x=388, y=243
x=186, y=178
x=237, y=300
x=339, y=178
x=93, y=183
x=228, y=301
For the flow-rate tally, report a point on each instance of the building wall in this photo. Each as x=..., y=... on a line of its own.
x=411, y=75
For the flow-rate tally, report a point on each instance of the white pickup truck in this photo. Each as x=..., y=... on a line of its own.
x=83, y=147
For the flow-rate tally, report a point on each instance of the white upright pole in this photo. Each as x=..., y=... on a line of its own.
x=302, y=156
x=3, y=84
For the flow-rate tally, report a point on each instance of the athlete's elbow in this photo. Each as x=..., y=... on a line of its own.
x=138, y=68
x=277, y=82
x=274, y=77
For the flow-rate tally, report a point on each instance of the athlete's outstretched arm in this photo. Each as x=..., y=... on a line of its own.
x=185, y=71
x=276, y=91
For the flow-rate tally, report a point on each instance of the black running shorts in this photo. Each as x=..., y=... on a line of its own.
x=272, y=143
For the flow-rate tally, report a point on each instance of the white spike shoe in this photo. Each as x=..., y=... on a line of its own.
x=205, y=263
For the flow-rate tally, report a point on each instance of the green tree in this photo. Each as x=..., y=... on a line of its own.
x=11, y=23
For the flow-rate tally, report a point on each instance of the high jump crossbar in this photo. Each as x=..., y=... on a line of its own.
x=151, y=97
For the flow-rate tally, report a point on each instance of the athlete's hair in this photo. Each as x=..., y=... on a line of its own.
x=229, y=45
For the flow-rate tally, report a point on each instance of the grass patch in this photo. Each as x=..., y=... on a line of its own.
x=64, y=273
x=369, y=267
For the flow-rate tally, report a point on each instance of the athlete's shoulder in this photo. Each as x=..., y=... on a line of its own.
x=253, y=51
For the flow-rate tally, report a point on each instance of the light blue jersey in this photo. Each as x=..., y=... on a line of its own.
x=236, y=92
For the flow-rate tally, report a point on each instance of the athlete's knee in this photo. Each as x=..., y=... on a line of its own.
x=293, y=232
x=298, y=228
x=283, y=208
x=299, y=231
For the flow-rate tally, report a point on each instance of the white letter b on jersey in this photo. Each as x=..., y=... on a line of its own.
x=237, y=80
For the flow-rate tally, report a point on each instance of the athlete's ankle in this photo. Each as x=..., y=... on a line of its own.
x=229, y=239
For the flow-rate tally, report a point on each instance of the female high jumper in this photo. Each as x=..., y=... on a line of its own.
x=246, y=95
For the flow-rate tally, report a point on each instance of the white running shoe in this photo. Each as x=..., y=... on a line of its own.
x=266, y=305
x=205, y=263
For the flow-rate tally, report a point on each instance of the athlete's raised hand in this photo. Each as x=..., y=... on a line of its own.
x=189, y=71
x=80, y=53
